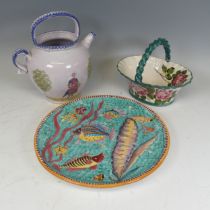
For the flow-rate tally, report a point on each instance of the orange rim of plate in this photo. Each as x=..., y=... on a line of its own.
x=105, y=185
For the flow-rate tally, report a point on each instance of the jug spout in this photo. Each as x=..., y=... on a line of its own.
x=86, y=42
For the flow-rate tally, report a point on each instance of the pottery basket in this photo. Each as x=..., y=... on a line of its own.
x=152, y=80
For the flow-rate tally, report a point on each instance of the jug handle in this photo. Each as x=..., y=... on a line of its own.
x=45, y=17
x=152, y=46
x=22, y=68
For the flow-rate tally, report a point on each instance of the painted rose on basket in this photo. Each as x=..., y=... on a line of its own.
x=163, y=95
x=179, y=79
x=139, y=90
x=142, y=91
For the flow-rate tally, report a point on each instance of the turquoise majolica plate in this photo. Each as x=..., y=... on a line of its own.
x=101, y=141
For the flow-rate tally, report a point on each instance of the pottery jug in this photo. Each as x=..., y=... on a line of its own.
x=58, y=64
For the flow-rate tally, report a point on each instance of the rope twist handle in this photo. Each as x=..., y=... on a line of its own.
x=53, y=14
x=152, y=46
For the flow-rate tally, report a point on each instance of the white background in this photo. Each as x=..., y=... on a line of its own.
x=123, y=28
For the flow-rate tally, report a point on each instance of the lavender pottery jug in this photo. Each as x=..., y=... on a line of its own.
x=58, y=63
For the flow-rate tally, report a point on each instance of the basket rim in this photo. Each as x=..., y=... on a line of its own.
x=154, y=86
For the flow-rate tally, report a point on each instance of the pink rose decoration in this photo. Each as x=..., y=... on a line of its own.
x=139, y=90
x=163, y=94
x=179, y=79
x=142, y=91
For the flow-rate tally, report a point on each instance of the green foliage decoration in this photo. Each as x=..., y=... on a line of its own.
x=42, y=80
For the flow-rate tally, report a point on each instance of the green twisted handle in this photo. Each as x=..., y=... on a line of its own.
x=148, y=52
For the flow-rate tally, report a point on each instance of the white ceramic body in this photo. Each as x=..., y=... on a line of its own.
x=59, y=65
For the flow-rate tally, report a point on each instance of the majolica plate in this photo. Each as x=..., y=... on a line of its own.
x=101, y=141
